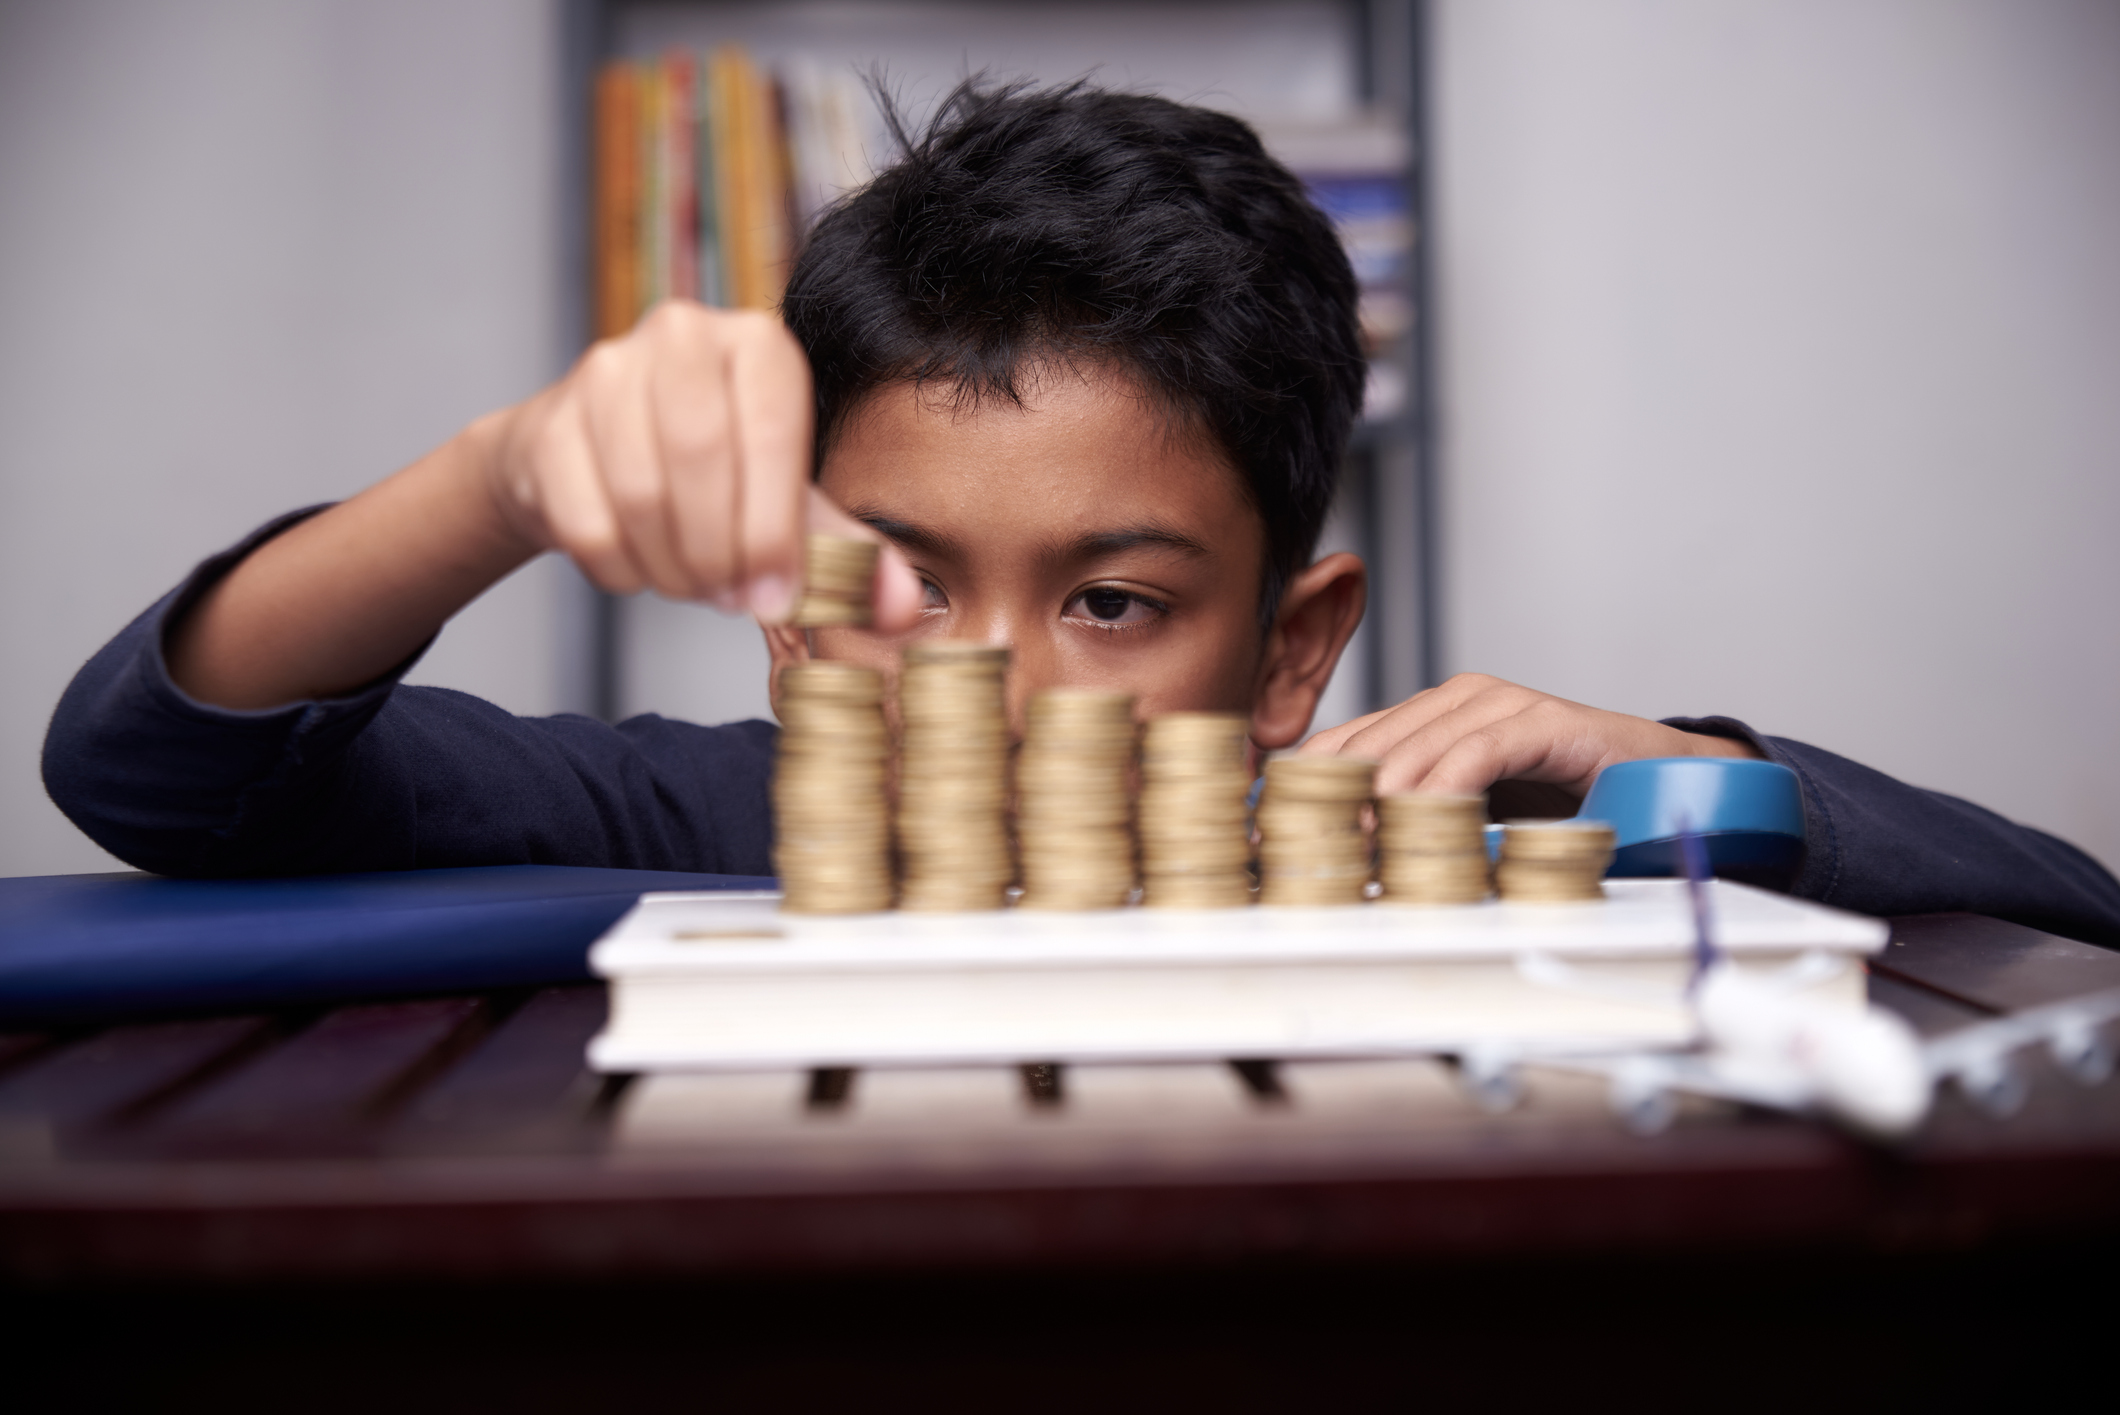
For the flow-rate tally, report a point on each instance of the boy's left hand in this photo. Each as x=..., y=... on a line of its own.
x=1464, y=735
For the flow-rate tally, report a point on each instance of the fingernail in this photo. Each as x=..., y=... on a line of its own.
x=771, y=598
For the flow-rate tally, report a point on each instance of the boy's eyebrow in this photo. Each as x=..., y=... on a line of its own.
x=1094, y=545
x=907, y=535
x=1101, y=543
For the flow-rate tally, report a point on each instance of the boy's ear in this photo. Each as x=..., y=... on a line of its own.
x=786, y=644
x=1319, y=612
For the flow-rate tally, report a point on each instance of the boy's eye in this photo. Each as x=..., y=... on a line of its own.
x=1106, y=606
x=932, y=596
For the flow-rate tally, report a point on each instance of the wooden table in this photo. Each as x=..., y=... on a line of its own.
x=398, y=1145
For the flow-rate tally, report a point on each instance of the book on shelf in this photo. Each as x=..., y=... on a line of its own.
x=618, y=203
x=711, y=167
x=708, y=168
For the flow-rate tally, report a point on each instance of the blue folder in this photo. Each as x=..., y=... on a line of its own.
x=96, y=948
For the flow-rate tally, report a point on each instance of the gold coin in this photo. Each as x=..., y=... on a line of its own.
x=838, y=582
x=1436, y=879
x=1320, y=778
x=831, y=818
x=1072, y=808
x=1558, y=840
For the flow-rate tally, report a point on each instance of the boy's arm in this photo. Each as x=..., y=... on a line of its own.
x=387, y=777
x=676, y=458
x=1874, y=844
x=1879, y=846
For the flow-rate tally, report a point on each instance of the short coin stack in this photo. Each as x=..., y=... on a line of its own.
x=1554, y=862
x=833, y=844
x=1195, y=815
x=1433, y=848
x=838, y=587
x=952, y=828
x=1071, y=800
x=1311, y=846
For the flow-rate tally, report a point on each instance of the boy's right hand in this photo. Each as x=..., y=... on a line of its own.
x=677, y=459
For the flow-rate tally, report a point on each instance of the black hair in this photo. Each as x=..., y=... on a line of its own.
x=1076, y=222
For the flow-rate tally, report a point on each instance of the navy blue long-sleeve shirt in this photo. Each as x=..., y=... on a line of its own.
x=394, y=777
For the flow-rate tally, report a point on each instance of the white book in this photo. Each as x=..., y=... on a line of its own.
x=718, y=981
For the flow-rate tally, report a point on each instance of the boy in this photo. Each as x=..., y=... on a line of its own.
x=1086, y=364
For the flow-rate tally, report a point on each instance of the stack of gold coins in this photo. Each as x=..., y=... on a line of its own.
x=832, y=837
x=1433, y=849
x=1554, y=862
x=1071, y=800
x=1195, y=812
x=1311, y=846
x=838, y=585
x=953, y=776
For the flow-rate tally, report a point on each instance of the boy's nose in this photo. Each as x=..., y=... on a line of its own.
x=1030, y=670
x=1033, y=665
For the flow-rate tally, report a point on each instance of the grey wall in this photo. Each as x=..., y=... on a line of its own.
x=254, y=256
x=1780, y=374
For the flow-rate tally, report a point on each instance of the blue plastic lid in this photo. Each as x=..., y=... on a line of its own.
x=1660, y=797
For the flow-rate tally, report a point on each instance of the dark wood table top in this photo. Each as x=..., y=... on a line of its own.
x=464, y=1137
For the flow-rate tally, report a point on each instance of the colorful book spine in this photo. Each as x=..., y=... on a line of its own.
x=653, y=255
x=707, y=170
x=711, y=281
x=733, y=162
x=680, y=208
x=618, y=200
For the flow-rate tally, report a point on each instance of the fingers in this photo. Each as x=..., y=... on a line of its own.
x=1331, y=740
x=1472, y=731
x=1465, y=752
x=677, y=458
x=620, y=416
x=1373, y=734
x=898, y=597
x=687, y=368
x=1376, y=735
x=577, y=513
x=769, y=400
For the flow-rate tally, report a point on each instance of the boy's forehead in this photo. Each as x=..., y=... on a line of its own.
x=1082, y=453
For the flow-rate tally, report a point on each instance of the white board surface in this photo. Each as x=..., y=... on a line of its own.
x=748, y=933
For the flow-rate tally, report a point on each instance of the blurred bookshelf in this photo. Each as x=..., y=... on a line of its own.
x=709, y=134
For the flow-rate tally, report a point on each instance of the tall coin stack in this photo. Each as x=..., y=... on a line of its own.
x=1071, y=800
x=953, y=776
x=1554, y=862
x=1195, y=812
x=1311, y=846
x=840, y=579
x=1433, y=848
x=832, y=843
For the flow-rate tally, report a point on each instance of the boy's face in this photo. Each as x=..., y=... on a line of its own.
x=1107, y=547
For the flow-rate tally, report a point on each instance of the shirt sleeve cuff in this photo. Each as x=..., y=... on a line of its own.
x=359, y=703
